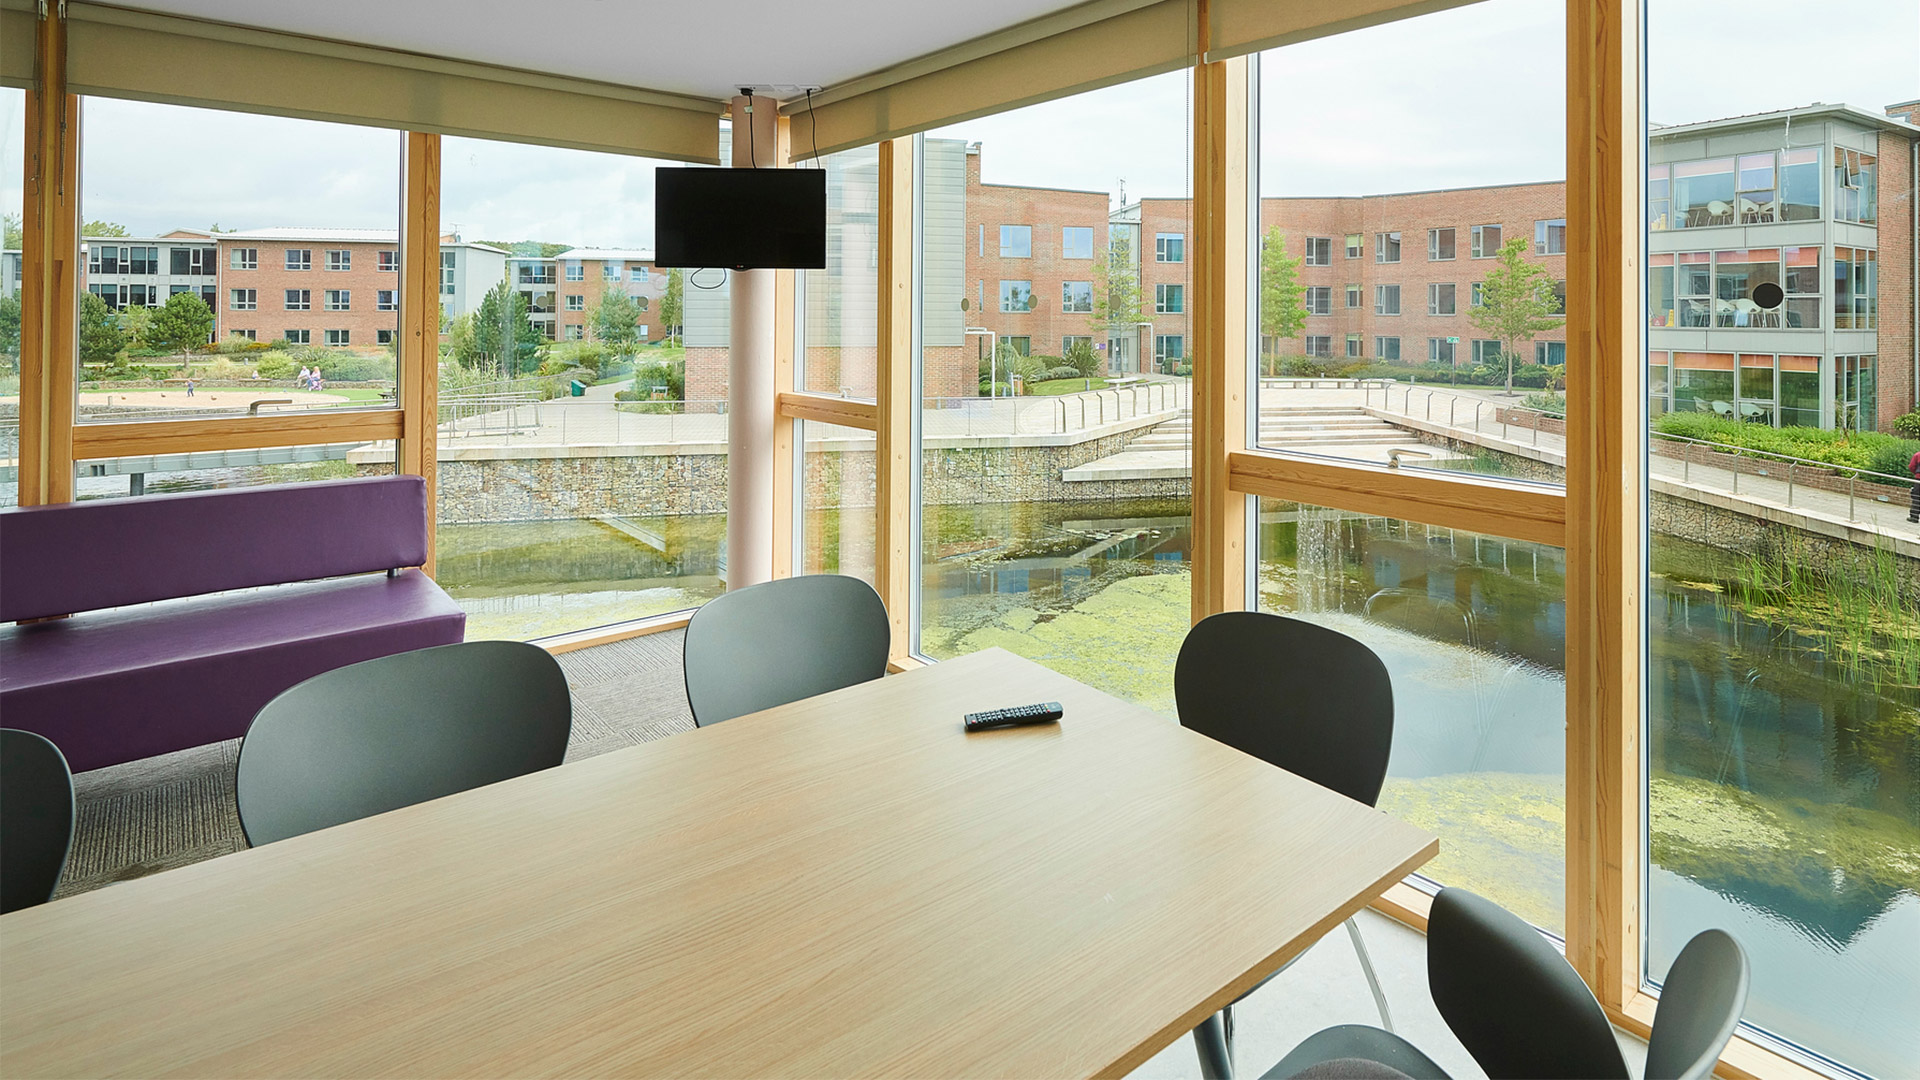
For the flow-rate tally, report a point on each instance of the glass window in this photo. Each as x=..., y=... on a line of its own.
x=339, y=259
x=1855, y=197
x=1319, y=345
x=1386, y=299
x=1355, y=344
x=1386, y=247
x=1016, y=296
x=1021, y=344
x=1855, y=291
x=1016, y=241
x=1800, y=185
x=1703, y=193
x=1486, y=241
x=386, y=300
x=839, y=305
x=1693, y=274
x=1441, y=298
x=1660, y=301
x=389, y=261
x=1659, y=197
x=1546, y=353
x=244, y=300
x=339, y=337
x=1486, y=351
x=1319, y=251
x=1319, y=300
x=835, y=501
x=1169, y=349
x=1440, y=351
x=1439, y=245
x=1703, y=382
x=1169, y=299
x=1076, y=242
x=244, y=258
x=1076, y=297
x=1353, y=296
x=1755, y=177
x=1170, y=247
x=299, y=299
x=1386, y=348
x=299, y=258
x=1801, y=269
x=1550, y=237
x=339, y=300
x=1356, y=245
x=1736, y=276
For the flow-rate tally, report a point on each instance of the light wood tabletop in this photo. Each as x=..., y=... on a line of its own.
x=846, y=886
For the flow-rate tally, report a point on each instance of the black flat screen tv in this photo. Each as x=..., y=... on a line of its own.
x=740, y=219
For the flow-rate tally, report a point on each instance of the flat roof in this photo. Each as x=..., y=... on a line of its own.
x=608, y=254
x=1854, y=113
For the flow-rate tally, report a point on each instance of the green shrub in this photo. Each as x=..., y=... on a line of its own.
x=1083, y=359
x=1908, y=426
x=1870, y=450
x=671, y=375
x=1065, y=371
x=276, y=366
x=1551, y=404
x=340, y=366
x=999, y=389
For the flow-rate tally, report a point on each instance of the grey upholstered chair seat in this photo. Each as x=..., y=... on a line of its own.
x=781, y=641
x=1355, y=1052
x=36, y=818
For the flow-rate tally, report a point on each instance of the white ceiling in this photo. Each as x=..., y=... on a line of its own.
x=694, y=47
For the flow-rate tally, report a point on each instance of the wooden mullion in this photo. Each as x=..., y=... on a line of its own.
x=1606, y=575
x=49, y=281
x=92, y=441
x=845, y=412
x=419, y=383
x=1458, y=501
x=895, y=557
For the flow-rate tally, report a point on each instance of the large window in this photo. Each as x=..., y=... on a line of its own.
x=1016, y=241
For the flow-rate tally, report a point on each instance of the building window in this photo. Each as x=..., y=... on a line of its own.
x=1854, y=281
x=338, y=300
x=1560, y=296
x=383, y=337
x=1854, y=197
x=244, y=259
x=299, y=337
x=299, y=258
x=1386, y=247
x=1353, y=296
x=1549, y=352
x=1320, y=345
x=1020, y=344
x=1439, y=350
x=576, y=302
x=1386, y=348
x=1070, y=341
x=390, y=262
x=1170, y=247
x=339, y=259
x=1016, y=241
x=1441, y=299
x=1169, y=348
x=1479, y=298
x=576, y=332
x=336, y=337
x=1801, y=267
x=1169, y=299
x=1319, y=251
x=1486, y=241
x=1076, y=296
x=1439, y=245
x=1486, y=351
x=1320, y=300
x=1356, y=245
x=386, y=300
x=1354, y=344
x=1550, y=237
x=244, y=299
x=1076, y=242
x=191, y=262
x=1386, y=299
x=609, y=272
x=576, y=271
x=446, y=273
x=243, y=335
x=637, y=273
x=299, y=299
x=1016, y=296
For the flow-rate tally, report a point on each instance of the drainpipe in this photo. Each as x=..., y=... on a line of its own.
x=993, y=357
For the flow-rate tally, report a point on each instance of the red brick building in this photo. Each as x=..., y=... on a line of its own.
x=337, y=287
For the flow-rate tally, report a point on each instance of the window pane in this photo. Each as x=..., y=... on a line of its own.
x=167, y=241
x=1459, y=177
x=1784, y=650
x=13, y=115
x=559, y=512
x=153, y=474
x=1054, y=523
x=839, y=306
x=1471, y=629
x=835, y=496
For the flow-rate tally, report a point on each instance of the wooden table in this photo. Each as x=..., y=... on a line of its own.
x=846, y=886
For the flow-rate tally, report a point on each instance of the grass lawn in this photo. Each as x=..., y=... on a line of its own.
x=355, y=393
x=1056, y=387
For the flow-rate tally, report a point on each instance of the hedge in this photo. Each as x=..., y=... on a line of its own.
x=1871, y=450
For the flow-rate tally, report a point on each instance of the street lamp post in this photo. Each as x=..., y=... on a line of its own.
x=993, y=357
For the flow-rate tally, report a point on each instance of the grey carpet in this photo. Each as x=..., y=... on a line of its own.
x=162, y=812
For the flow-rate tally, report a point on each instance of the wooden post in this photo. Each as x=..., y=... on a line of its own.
x=895, y=557
x=1606, y=576
x=419, y=387
x=49, y=274
x=1220, y=288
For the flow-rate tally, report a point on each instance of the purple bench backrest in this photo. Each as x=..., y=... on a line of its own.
x=71, y=557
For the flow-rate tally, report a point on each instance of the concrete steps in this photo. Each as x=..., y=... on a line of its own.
x=1290, y=426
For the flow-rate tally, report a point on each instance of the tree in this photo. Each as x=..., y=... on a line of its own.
x=9, y=332
x=461, y=346
x=101, y=338
x=1283, y=309
x=182, y=325
x=1516, y=302
x=1116, y=291
x=103, y=228
x=12, y=236
x=503, y=334
x=673, y=304
x=614, y=318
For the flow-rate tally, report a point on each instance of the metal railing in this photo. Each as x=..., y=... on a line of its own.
x=1063, y=415
x=1426, y=396
x=1791, y=465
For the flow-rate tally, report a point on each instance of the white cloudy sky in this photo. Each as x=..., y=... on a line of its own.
x=1462, y=97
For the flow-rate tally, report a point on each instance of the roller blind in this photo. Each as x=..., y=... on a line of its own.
x=16, y=49
x=1083, y=48
x=1238, y=27
x=114, y=52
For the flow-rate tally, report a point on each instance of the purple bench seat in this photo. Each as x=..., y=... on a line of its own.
x=183, y=668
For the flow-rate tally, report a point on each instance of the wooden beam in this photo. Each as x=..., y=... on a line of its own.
x=1462, y=501
x=1220, y=289
x=607, y=635
x=845, y=412
x=419, y=388
x=1606, y=575
x=49, y=273
x=235, y=433
x=896, y=559
x=786, y=455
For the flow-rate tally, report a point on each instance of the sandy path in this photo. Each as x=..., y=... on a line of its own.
x=221, y=398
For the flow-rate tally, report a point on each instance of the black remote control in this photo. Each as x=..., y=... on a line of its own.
x=1018, y=716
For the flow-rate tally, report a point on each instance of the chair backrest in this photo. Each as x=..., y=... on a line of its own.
x=36, y=818
x=398, y=730
x=1700, y=1005
x=1511, y=998
x=781, y=641
x=1311, y=700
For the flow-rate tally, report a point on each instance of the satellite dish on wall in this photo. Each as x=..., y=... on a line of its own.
x=1768, y=295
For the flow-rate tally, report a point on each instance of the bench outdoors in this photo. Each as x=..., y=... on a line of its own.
x=151, y=660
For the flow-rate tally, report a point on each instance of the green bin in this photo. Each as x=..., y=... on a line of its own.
x=579, y=388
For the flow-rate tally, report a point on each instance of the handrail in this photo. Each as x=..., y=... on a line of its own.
x=1745, y=451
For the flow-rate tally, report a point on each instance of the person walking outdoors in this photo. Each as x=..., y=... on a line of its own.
x=1913, y=469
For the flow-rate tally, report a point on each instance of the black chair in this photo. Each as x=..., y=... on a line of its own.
x=781, y=641
x=1308, y=699
x=36, y=818
x=398, y=730
x=1522, y=1012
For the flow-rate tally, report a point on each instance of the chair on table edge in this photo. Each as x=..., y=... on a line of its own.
x=1299, y=696
x=36, y=818
x=781, y=641
x=397, y=730
x=1521, y=1010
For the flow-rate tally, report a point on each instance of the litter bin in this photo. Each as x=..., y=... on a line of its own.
x=579, y=388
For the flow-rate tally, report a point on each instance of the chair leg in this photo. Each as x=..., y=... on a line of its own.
x=1210, y=1042
x=1373, y=981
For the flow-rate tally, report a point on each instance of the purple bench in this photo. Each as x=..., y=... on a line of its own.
x=185, y=668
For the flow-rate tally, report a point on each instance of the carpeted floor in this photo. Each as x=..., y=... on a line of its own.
x=147, y=816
